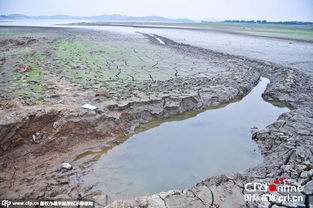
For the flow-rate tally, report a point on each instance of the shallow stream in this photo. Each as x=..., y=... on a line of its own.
x=185, y=149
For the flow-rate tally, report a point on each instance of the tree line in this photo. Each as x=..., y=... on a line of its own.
x=268, y=22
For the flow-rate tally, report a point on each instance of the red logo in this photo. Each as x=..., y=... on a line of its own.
x=273, y=187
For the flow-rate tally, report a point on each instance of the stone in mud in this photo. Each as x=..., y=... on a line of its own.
x=89, y=107
x=308, y=164
x=203, y=193
x=102, y=93
x=99, y=110
x=304, y=174
x=254, y=129
x=34, y=139
x=264, y=204
x=2, y=60
x=308, y=188
x=300, y=168
x=66, y=166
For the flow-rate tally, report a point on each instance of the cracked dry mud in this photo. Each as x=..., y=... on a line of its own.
x=48, y=73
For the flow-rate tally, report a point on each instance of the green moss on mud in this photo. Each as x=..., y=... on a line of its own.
x=109, y=63
x=81, y=63
x=28, y=84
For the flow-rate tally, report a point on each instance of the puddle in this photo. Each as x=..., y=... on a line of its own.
x=181, y=152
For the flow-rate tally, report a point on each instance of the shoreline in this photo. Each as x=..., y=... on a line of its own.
x=191, y=28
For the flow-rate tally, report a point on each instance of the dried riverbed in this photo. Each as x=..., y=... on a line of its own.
x=48, y=73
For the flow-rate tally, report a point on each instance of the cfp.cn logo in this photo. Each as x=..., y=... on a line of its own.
x=6, y=203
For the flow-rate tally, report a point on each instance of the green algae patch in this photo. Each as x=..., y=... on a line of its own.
x=87, y=63
x=27, y=81
x=82, y=63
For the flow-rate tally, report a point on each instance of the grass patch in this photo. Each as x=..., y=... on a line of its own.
x=113, y=65
x=82, y=63
x=301, y=32
x=28, y=84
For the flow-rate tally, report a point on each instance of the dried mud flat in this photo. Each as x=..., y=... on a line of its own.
x=47, y=74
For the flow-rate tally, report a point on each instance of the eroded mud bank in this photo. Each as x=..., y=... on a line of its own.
x=36, y=139
x=179, y=151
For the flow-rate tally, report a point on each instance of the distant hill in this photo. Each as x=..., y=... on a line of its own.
x=100, y=17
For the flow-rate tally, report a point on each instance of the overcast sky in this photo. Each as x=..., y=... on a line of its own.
x=300, y=10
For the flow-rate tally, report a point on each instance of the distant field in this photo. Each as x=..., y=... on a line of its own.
x=284, y=31
x=301, y=32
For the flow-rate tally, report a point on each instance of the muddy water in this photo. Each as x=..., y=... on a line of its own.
x=179, y=153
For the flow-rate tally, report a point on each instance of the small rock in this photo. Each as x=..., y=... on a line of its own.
x=304, y=174
x=308, y=188
x=301, y=153
x=300, y=168
x=99, y=110
x=287, y=168
x=67, y=166
x=264, y=204
x=102, y=93
x=253, y=129
x=284, y=137
x=90, y=107
x=310, y=172
x=34, y=139
x=308, y=164
x=304, y=132
x=55, y=125
x=140, y=94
